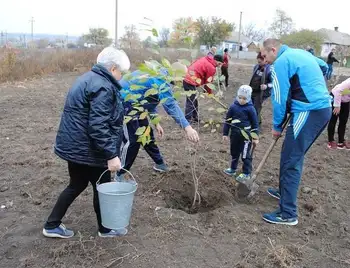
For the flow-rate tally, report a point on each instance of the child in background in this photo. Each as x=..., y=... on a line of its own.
x=341, y=107
x=241, y=116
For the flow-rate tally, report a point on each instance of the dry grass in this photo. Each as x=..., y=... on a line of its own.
x=18, y=64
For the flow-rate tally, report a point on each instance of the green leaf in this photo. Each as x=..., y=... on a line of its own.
x=244, y=134
x=254, y=136
x=198, y=80
x=155, y=32
x=143, y=115
x=155, y=120
x=211, y=86
x=136, y=87
x=143, y=140
x=235, y=121
x=143, y=102
x=222, y=78
x=206, y=125
x=132, y=112
x=345, y=92
x=127, y=119
x=146, y=69
x=221, y=110
x=177, y=95
x=151, y=91
x=140, y=131
x=147, y=131
x=163, y=100
x=218, y=125
x=166, y=63
x=139, y=108
x=211, y=109
x=210, y=79
x=213, y=130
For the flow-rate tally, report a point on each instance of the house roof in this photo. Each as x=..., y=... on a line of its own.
x=335, y=37
x=234, y=37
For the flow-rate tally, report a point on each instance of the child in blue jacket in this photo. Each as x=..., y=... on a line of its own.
x=240, y=117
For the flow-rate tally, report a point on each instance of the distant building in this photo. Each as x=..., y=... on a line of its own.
x=253, y=46
x=335, y=39
x=234, y=43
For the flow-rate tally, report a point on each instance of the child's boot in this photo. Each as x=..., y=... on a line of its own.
x=230, y=172
x=243, y=177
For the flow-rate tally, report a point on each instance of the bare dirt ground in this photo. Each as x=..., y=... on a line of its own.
x=224, y=233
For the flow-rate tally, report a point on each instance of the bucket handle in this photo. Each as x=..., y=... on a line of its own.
x=127, y=171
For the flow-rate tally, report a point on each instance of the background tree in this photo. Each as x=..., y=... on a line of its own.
x=184, y=32
x=131, y=38
x=212, y=31
x=250, y=30
x=304, y=38
x=164, y=36
x=98, y=36
x=282, y=23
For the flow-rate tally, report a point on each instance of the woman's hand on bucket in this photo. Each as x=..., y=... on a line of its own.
x=114, y=164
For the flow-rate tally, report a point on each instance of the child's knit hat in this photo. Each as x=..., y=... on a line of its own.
x=245, y=91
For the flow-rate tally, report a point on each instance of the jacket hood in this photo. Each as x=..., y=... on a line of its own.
x=282, y=50
x=99, y=69
x=211, y=60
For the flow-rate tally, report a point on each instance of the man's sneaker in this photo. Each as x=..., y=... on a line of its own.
x=114, y=233
x=243, y=177
x=276, y=218
x=344, y=145
x=332, y=145
x=59, y=232
x=274, y=193
x=230, y=172
x=161, y=168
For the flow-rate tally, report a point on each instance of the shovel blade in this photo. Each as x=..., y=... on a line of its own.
x=246, y=190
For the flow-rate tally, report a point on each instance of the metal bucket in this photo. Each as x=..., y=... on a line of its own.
x=116, y=200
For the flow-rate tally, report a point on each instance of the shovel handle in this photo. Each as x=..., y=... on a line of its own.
x=269, y=150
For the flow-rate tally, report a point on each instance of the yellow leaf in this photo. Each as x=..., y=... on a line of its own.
x=244, y=134
x=206, y=125
x=213, y=130
x=140, y=131
x=236, y=121
x=254, y=135
x=133, y=112
x=147, y=131
x=221, y=110
x=151, y=91
x=127, y=119
x=143, y=115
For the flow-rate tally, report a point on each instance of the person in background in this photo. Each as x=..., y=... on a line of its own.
x=261, y=83
x=198, y=74
x=341, y=107
x=212, y=51
x=241, y=109
x=145, y=82
x=89, y=137
x=300, y=90
x=330, y=60
x=224, y=67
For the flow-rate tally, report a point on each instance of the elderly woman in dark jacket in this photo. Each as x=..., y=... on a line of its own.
x=89, y=136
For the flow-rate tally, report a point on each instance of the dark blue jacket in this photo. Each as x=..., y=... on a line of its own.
x=91, y=127
x=245, y=114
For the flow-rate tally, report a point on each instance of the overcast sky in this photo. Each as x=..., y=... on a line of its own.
x=76, y=16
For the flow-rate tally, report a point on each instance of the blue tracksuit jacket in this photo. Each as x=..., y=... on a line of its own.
x=323, y=65
x=298, y=87
x=139, y=84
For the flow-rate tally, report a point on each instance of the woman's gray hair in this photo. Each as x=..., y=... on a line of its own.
x=111, y=57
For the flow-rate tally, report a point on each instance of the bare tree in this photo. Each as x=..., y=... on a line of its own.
x=131, y=38
x=282, y=23
x=253, y=33
x=164, y=36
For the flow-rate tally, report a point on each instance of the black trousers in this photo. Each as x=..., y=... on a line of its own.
x=257, y=99
x=343, y=119
x=80, y=176
x=191, y=106
x=224, y=72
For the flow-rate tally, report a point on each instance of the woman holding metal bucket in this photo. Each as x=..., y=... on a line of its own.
x=89, y=137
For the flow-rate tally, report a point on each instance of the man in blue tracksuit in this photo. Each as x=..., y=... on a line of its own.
x=299, y=89
x=135, y=94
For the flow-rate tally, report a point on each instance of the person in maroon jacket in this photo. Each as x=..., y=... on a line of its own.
x=224, y=67
x=198, y=74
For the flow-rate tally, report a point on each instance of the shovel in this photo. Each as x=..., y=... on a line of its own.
x=247, y=189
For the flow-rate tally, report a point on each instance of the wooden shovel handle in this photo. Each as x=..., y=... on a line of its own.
x=269, y=150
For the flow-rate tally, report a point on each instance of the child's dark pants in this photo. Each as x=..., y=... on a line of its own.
x=240, y=146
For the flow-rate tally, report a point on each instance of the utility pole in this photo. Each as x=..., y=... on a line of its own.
x=66, y=40
x=32, y=27
x=239, y=34
x=2, y=38
x=116, y=25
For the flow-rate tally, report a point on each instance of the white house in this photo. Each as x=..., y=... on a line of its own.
x=233, y=42
x=335, y=39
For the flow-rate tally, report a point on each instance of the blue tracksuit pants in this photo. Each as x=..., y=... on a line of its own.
x=131, y=146
x=240, y=147
x=294, y=148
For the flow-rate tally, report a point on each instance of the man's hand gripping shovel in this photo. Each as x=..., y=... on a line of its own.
x=248, y=188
